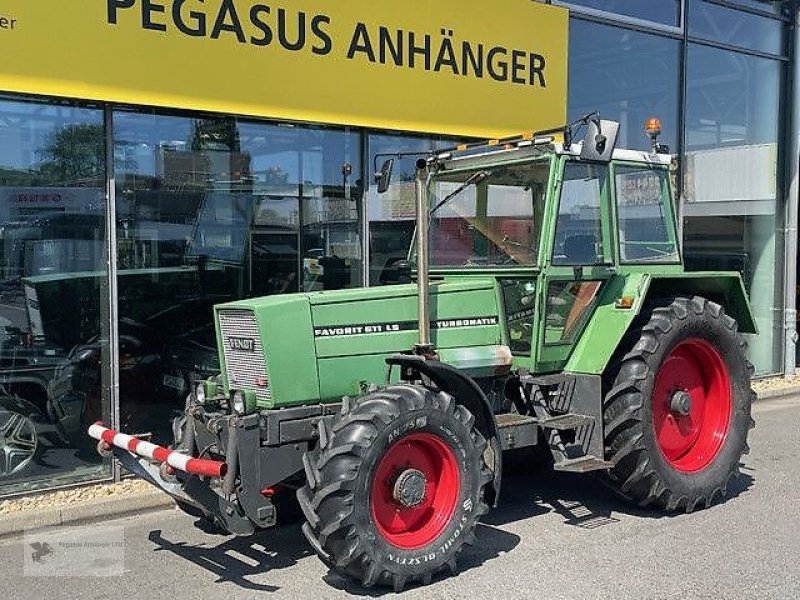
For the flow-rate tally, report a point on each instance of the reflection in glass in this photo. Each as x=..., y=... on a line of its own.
x=645, y=229
x=667, y=12
x=391, y=215
x=569, y=304
x=730, y=181
x=628, y=76
x=735, y=27
x=488, y=216
x=519, y=302
x=52, y=292
x=214, y=209
x=579, y=235
x=779, y=8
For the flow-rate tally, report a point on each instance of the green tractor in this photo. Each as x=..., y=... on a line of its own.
x=550, y=308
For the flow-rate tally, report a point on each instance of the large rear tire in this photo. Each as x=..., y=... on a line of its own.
x=395, y=487
x=677, y=410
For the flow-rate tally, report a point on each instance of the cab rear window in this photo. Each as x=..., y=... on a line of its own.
x=646, y=231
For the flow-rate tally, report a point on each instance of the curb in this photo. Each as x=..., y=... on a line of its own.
x=16, y=525
x=779, y=393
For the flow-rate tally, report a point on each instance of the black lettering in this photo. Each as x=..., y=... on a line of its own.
x=322, y=35
x=468, y=58
x=446, y=56
x=394, y=47
x=361, y=43
x=301, y=31
x=228, y=11
x=517, y=65
x=199, y=19
x=255, y=18
x=148, y=8
x=501, y=64
x=414, y=50
x=537, y=69
x=113, y=5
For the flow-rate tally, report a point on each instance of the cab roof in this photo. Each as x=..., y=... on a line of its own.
x=527, y=146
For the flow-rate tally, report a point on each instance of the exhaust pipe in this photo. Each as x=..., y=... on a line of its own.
x=194, y=466
x=424, y=346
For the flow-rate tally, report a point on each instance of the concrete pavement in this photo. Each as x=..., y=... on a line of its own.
x=555, y=536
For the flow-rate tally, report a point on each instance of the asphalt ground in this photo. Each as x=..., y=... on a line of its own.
x=556, y=536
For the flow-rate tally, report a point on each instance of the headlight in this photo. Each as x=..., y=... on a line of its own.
x=200, y=392
x=238, y=402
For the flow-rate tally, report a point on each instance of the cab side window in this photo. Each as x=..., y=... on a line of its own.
x=646, y=229
x=579, y=230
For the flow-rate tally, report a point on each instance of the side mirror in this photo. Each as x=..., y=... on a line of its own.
x=384, y=177
x=600, y=140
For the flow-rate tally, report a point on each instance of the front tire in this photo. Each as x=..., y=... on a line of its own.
x=677, y=411
x=395, y=487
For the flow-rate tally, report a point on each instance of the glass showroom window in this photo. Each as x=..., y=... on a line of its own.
x=391, y=215
x=730, y=181
x=53, y=306
x=628, y=76
x=212, y=209
x=716, y=23
x=666, y=12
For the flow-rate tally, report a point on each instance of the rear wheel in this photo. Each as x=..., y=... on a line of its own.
x=396, y=487
x=677, y=412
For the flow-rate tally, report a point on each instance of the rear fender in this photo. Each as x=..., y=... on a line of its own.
x=726, y=289
x=610, y=322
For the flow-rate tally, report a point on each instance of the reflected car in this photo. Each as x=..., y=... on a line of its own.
x=155, y=375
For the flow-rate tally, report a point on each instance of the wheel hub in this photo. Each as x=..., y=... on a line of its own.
x=681, y=403
x=415, y=490
x=692, y=405
x=409, y=489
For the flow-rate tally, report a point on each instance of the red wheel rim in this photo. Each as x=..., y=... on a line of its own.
x=692, y=405
x=412, y=527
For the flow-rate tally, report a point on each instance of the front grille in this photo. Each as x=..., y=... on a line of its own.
x=245, y=363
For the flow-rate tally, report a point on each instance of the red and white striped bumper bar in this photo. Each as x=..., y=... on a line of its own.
x=176, y=460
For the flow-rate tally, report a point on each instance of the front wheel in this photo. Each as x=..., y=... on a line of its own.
x=677, y=411
x=396, y=486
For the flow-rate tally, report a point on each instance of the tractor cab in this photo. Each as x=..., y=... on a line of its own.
x=554, y=224
x=488, y=210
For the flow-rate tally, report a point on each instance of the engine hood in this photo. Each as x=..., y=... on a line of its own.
x=320, y=346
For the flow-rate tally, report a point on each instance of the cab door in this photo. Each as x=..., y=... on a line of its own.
x=579, y=262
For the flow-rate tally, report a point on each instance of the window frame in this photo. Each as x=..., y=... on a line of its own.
x=605, y=206
x=668, y=211
x=614, y=18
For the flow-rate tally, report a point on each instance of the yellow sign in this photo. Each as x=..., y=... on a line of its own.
x=467, y=68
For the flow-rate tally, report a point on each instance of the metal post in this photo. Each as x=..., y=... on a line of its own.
x=424, y=346
x=111, y=274
x=790, y=209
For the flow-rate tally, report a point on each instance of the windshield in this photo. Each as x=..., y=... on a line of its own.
x=489, y=216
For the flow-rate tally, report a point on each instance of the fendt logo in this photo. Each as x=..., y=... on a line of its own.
x=242, y=344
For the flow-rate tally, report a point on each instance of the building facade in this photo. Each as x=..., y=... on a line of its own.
x=122, y=223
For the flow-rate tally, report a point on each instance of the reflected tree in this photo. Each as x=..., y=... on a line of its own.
x=74, y=155
x=214, y=134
